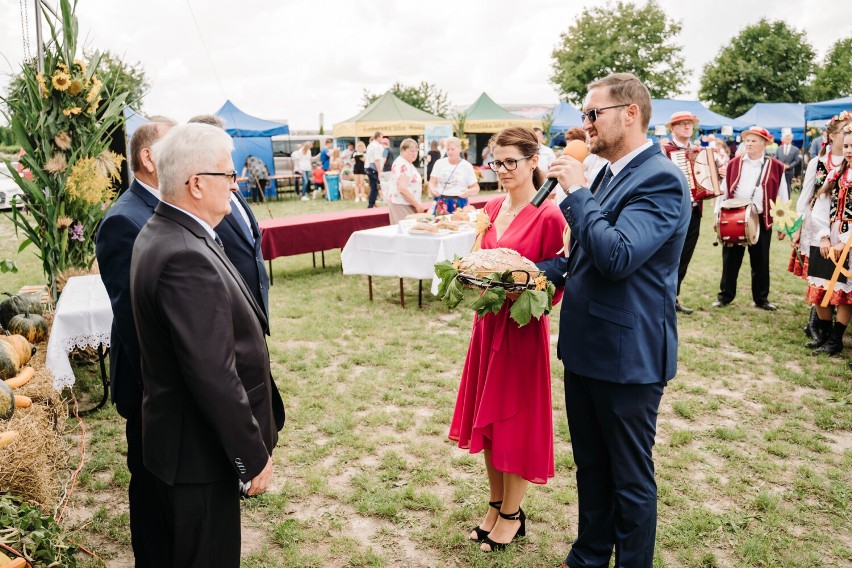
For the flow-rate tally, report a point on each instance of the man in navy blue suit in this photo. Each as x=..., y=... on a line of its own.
x=618, y=330
x=115, y=239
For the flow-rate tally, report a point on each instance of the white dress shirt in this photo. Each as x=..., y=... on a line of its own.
x=749, y=187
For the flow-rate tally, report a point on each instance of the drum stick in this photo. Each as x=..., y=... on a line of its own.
x=838, y=269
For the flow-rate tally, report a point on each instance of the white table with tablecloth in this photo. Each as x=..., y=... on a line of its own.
x=391, y=251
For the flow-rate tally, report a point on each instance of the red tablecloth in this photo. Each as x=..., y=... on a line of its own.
x=326, y=231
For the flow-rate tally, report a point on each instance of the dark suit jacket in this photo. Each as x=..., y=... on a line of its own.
x=618, y=320
x=209, y=407
x=114, y=244
x=792, y=158
x=245, y=255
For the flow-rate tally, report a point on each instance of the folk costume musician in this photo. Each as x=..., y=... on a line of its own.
x=682, y=124
x=756, y=177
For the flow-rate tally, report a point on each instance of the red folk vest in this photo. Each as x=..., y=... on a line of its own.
x=770, y=183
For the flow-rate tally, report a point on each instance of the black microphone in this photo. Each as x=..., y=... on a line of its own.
x=577, y=150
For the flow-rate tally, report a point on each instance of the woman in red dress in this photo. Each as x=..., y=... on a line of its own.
x=503, y=407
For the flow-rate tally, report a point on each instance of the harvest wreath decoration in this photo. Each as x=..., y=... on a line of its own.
x=502, y=275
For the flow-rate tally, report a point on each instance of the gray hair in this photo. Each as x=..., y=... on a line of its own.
x=452, y=140
x=187, y=150
x=210, y=119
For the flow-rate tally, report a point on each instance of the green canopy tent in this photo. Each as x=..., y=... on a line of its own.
x=389, y=115
x=485, y=117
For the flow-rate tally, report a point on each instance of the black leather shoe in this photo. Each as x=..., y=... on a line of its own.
x=768, y=306
x=682, y=309
x=720, y=304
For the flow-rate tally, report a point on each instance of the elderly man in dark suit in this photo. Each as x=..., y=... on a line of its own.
x=114, y=244
x=789, y=155
x=210, y=419
x=241, y=236
x=618, y=329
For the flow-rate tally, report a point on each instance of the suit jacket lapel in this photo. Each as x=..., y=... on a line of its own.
x=143, y=194
x=192, y=226
x=644, y=155
x=255, y=230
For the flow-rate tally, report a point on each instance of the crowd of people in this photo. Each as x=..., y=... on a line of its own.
x=203, y=413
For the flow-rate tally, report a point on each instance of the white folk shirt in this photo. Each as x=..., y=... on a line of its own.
x=546, y=156
x=748, y=186
x=452, y=179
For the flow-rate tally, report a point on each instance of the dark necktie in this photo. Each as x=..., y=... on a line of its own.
x=218, y=241
x=238, y=217
x=605, y=181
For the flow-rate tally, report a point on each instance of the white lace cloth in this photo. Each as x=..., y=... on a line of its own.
x=83, y=318
x=388, y=251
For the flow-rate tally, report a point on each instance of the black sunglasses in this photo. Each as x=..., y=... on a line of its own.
x=232, y=175
x=592, y=113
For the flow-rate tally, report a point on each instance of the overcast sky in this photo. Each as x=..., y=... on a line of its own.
x=296, y=59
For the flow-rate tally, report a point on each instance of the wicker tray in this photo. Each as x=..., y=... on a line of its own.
x=485, y=281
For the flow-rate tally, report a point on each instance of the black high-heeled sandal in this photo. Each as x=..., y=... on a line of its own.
x=481, y=534
x=522, y=531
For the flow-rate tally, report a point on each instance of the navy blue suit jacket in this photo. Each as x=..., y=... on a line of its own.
x=245, y=255
x=618, y=320
x=114, y=245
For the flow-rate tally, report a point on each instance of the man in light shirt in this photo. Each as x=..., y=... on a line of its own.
x=760, y=179
x=545, y=152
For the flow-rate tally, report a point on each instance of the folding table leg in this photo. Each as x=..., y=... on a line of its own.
x=370, y=286
x=105, y=381
x=314, y=257
x=322, y=252
x=401, y=294
x=419, y=293
x=271, y=281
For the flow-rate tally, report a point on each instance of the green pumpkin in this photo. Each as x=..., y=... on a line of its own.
x=7, y=402
x=17, y=304
x=31, y=326
x=10, y=362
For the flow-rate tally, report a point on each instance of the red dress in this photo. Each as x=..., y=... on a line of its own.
x=504, y=402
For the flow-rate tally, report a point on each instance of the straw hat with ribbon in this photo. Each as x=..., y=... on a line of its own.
x=682, y=116
x=759, y=131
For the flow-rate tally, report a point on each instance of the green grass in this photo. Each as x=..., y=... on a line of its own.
x=753, y=448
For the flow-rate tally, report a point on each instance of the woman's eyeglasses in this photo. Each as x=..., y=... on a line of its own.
x=232, y=175
x=510, y=164
x=592, y=113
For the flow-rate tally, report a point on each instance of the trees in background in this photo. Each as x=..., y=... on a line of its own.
x=425, y=96
x=620, y=38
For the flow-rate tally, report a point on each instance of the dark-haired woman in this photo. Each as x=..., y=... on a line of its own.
x=503, y=408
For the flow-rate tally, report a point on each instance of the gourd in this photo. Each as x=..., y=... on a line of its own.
x=23, y=401
x=7, y=401
x=10, y=363
x=23, y=348
x=7, y=438
x=17, y=304
x=21, y=379
x=31, y=326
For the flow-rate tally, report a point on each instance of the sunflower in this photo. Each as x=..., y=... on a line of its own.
x=784, y=214
x=75, y=87
x=61, y=81
x=95, y=91
x=42, y=85
x=81, y=65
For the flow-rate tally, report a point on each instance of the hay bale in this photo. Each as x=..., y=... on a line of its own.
x=30, y=467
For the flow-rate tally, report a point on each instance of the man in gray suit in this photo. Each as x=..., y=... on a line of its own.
x=790, y=156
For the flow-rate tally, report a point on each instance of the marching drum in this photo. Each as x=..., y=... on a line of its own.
x=739, y=223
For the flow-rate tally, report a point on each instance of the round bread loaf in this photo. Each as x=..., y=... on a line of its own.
x=485, y=262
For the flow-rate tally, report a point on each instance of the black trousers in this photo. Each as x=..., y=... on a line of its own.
x=689, y=244
x=144, y=527
x=258, y=190
x=373, y=178
x=613, y=427
x=732, y=260
x=201, y=522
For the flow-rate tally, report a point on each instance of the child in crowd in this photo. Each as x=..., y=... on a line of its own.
x=318, y=175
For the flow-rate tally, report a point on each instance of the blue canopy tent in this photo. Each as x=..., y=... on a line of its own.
x=827, y=109
x=708, y=121
x=253, y=136
x=775, y=116
x=565, y=117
